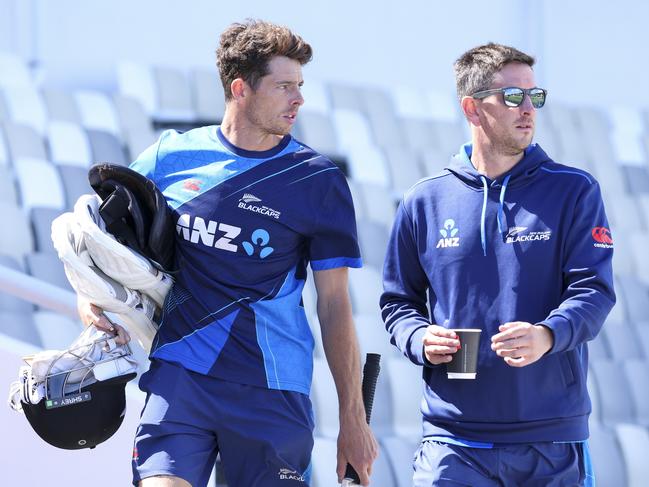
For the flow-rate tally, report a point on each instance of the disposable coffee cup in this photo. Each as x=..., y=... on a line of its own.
x=464, y=362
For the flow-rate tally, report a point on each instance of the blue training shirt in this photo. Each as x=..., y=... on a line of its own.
x=248, y=223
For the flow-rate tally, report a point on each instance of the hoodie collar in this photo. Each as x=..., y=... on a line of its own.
x=519, y=175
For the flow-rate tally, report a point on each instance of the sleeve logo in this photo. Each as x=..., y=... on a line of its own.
x=602, y=237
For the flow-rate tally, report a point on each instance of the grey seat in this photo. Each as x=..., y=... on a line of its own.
x=634, y=442
x=400, y=452
x=614, y=391
x=106, y=147
x=174, y=96
x=61, y=105
x=405, y=168
x=17, y=239
x=622, y=341
x=637, y=372
x=57, y=332
x=47, y=267
x=608, y=461
x=9, y=302
x=634, y=296
x=20, y=326
x=379, y=108
x=75, y=183
x=407, y=391
x=135, y=123
x=8, y=192
x=24, y=141
x=636, y=178
x=208, y=97
x=317, y=131
x=373, y=239
x=41, y=219
x=365, y=287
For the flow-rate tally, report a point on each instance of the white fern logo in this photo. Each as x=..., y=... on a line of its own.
x=250, y=198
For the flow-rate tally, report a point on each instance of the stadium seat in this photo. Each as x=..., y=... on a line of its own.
x=61, y=105
x=411, y=103
x=9, y=302
x=75, y=183
x=41, y=223
x=373, y=239
x=359, y=203
x=317, y=131
x=598, y=348
x=634, y=441
x=174, y=96
x=443, y=106
x=39, y=184
x=316, y=97
x=323, y=398
x=17, y=239
x=637, y=372
x=208, y=97
x=4, y=150
x=346, y=97
x=8, y=192
x=137, y=81
x=407, y=392
x=98, y=112
x=314, y=324
x=13, y=70
x=405, y=169
x=622, y=341
x=26, y=106
x=634, y=296
x=366, y=287
x=616, y=405
x=608, y=462
x=135, y=123
x=639, y=246
x=420, y=135
x=106, y=147
x=400, y=453
x=433, y=161
x=69, y=144
x=594, y=394
x=636, y=179
x=449, y=135
x=20, y=326
x=381, y=115
x=56, y=332
x=352, y=129
x=24, y=141
x=380, y=205
x=47, y=267
x=367, y=164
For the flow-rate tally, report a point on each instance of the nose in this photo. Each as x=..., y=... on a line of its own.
x=527, y=105
x=298, y=99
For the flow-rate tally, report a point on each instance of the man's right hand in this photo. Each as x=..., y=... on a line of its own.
x=92, y=315
x=439, y=344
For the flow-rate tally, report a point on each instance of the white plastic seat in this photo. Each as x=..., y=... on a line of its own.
x=69, y=144
x=13, y=70
x=39, y=184
x=607, y=458
x=8, y=192
x=316, y=97
x=366, y=287
x=615, y=392
x=56, y=331
x=61, y=105
x=208, y=96
x=4, y=151
x=317, y=130
x=26, y=106
x=379, y=107
x=367, y=164
x=352, y=129
x=634, y=441
x=380, y=205
x=17, y=239
x=174, y=96
x=324, y=400
x=400, y=453
x=24, y=141
x=407, y=393
x=97, y=112
x=137, y=81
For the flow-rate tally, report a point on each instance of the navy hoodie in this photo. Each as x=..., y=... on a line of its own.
x=531, y=245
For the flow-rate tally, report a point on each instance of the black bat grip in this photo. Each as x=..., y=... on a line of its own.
x=371, y=371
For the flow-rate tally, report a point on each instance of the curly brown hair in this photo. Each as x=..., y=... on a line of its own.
x=475, y=69
x=246, y=48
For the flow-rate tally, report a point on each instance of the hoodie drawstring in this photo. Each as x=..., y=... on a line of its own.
x=483, y=233
x=501, y=210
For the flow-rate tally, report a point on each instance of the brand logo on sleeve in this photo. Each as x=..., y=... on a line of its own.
x=449, y=238
x=602, y=237
x=517, y=234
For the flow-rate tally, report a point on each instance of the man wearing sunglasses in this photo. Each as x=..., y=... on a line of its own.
x=508, y=241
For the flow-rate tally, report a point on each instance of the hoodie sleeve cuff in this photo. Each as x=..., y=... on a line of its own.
x=416, y=352
x=561, y=331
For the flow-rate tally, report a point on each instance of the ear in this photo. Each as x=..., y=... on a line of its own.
x=470, y=109
x=238, y=88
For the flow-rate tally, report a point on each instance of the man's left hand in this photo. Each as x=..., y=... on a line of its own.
x=520, y=343
x=356, y=446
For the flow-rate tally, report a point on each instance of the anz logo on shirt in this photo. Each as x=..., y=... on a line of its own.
x=198, y=230
x=448, y=232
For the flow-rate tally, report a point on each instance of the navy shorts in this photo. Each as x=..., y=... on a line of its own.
x=529, y=465
x=264, y=436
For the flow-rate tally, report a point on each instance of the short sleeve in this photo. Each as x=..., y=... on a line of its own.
x=333, y=241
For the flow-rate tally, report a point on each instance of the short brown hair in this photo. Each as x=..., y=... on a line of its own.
x=246, y=48
x=475, y=69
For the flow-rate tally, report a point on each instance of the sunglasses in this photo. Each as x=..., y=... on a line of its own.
x=514, y=96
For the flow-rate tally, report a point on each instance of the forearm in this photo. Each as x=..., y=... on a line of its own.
x=341, y=349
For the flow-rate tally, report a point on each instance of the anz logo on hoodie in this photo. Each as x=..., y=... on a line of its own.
x=448, y=232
